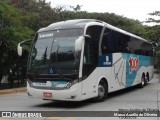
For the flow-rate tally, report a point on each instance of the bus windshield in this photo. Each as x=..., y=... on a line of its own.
x=54, y=52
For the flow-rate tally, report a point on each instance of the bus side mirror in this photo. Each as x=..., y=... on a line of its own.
x=78, y=44
x=19, y=49
x=88, y=39
x=87, y=36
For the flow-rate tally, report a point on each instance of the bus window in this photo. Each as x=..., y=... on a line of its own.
x=122, y=43
x=107, y=45
x=139, y=47
x=90, y=59
x=104, y=44
x=87, y=54
x=113, y=42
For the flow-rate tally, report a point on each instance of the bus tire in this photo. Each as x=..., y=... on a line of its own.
x=147, y=79
x=142, y=84
x=102, y=91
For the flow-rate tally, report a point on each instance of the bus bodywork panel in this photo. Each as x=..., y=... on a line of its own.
x=127, y=69
x=72, y=94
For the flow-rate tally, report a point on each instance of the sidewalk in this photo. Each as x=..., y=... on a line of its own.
x=7, y=91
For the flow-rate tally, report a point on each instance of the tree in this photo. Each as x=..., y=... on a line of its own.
x=12, y=31
x=35, y=13
x=155, y=13
x=153, y=33
x=77, y=8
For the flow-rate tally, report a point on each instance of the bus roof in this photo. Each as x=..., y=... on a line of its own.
x=81, y=23
x=76, y=23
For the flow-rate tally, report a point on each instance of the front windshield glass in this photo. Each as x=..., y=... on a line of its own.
x=54, y=52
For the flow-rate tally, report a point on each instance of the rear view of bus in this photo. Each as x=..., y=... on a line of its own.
x=72, y=61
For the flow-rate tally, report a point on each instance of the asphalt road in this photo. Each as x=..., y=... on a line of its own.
x=147, y=98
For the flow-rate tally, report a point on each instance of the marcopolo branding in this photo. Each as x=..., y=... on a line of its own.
x=133, y=63
x=105, y=60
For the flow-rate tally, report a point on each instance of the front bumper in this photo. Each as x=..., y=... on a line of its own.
x=71, y=94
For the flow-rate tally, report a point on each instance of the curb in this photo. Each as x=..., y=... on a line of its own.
x=7, y=91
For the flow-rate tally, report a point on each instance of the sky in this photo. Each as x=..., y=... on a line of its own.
x=135, y=9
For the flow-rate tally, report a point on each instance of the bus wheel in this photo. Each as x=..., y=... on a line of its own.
x=147, y=79
x=142, y=84
x=102, y=91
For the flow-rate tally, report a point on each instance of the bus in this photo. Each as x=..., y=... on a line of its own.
x=79, y=59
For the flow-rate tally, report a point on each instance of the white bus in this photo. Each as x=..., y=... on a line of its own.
x=75, y=60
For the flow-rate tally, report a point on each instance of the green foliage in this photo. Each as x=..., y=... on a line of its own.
x=77, y=8
x=12, y=31
x=153, y=34
x=155, y=13
x=35, y=14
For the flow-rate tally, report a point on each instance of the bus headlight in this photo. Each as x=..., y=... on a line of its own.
x=69, y=84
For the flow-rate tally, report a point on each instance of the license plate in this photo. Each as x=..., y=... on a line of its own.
x=47, y=94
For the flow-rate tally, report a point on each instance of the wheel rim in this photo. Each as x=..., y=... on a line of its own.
x=101, y=91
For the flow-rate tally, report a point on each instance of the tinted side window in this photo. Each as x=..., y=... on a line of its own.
x=142, y=48
x=107, y=42
x=147, y=48
x=95, y=33
x=113, y=41
x=138, y=47
x=90, y=59
x=122, y=43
